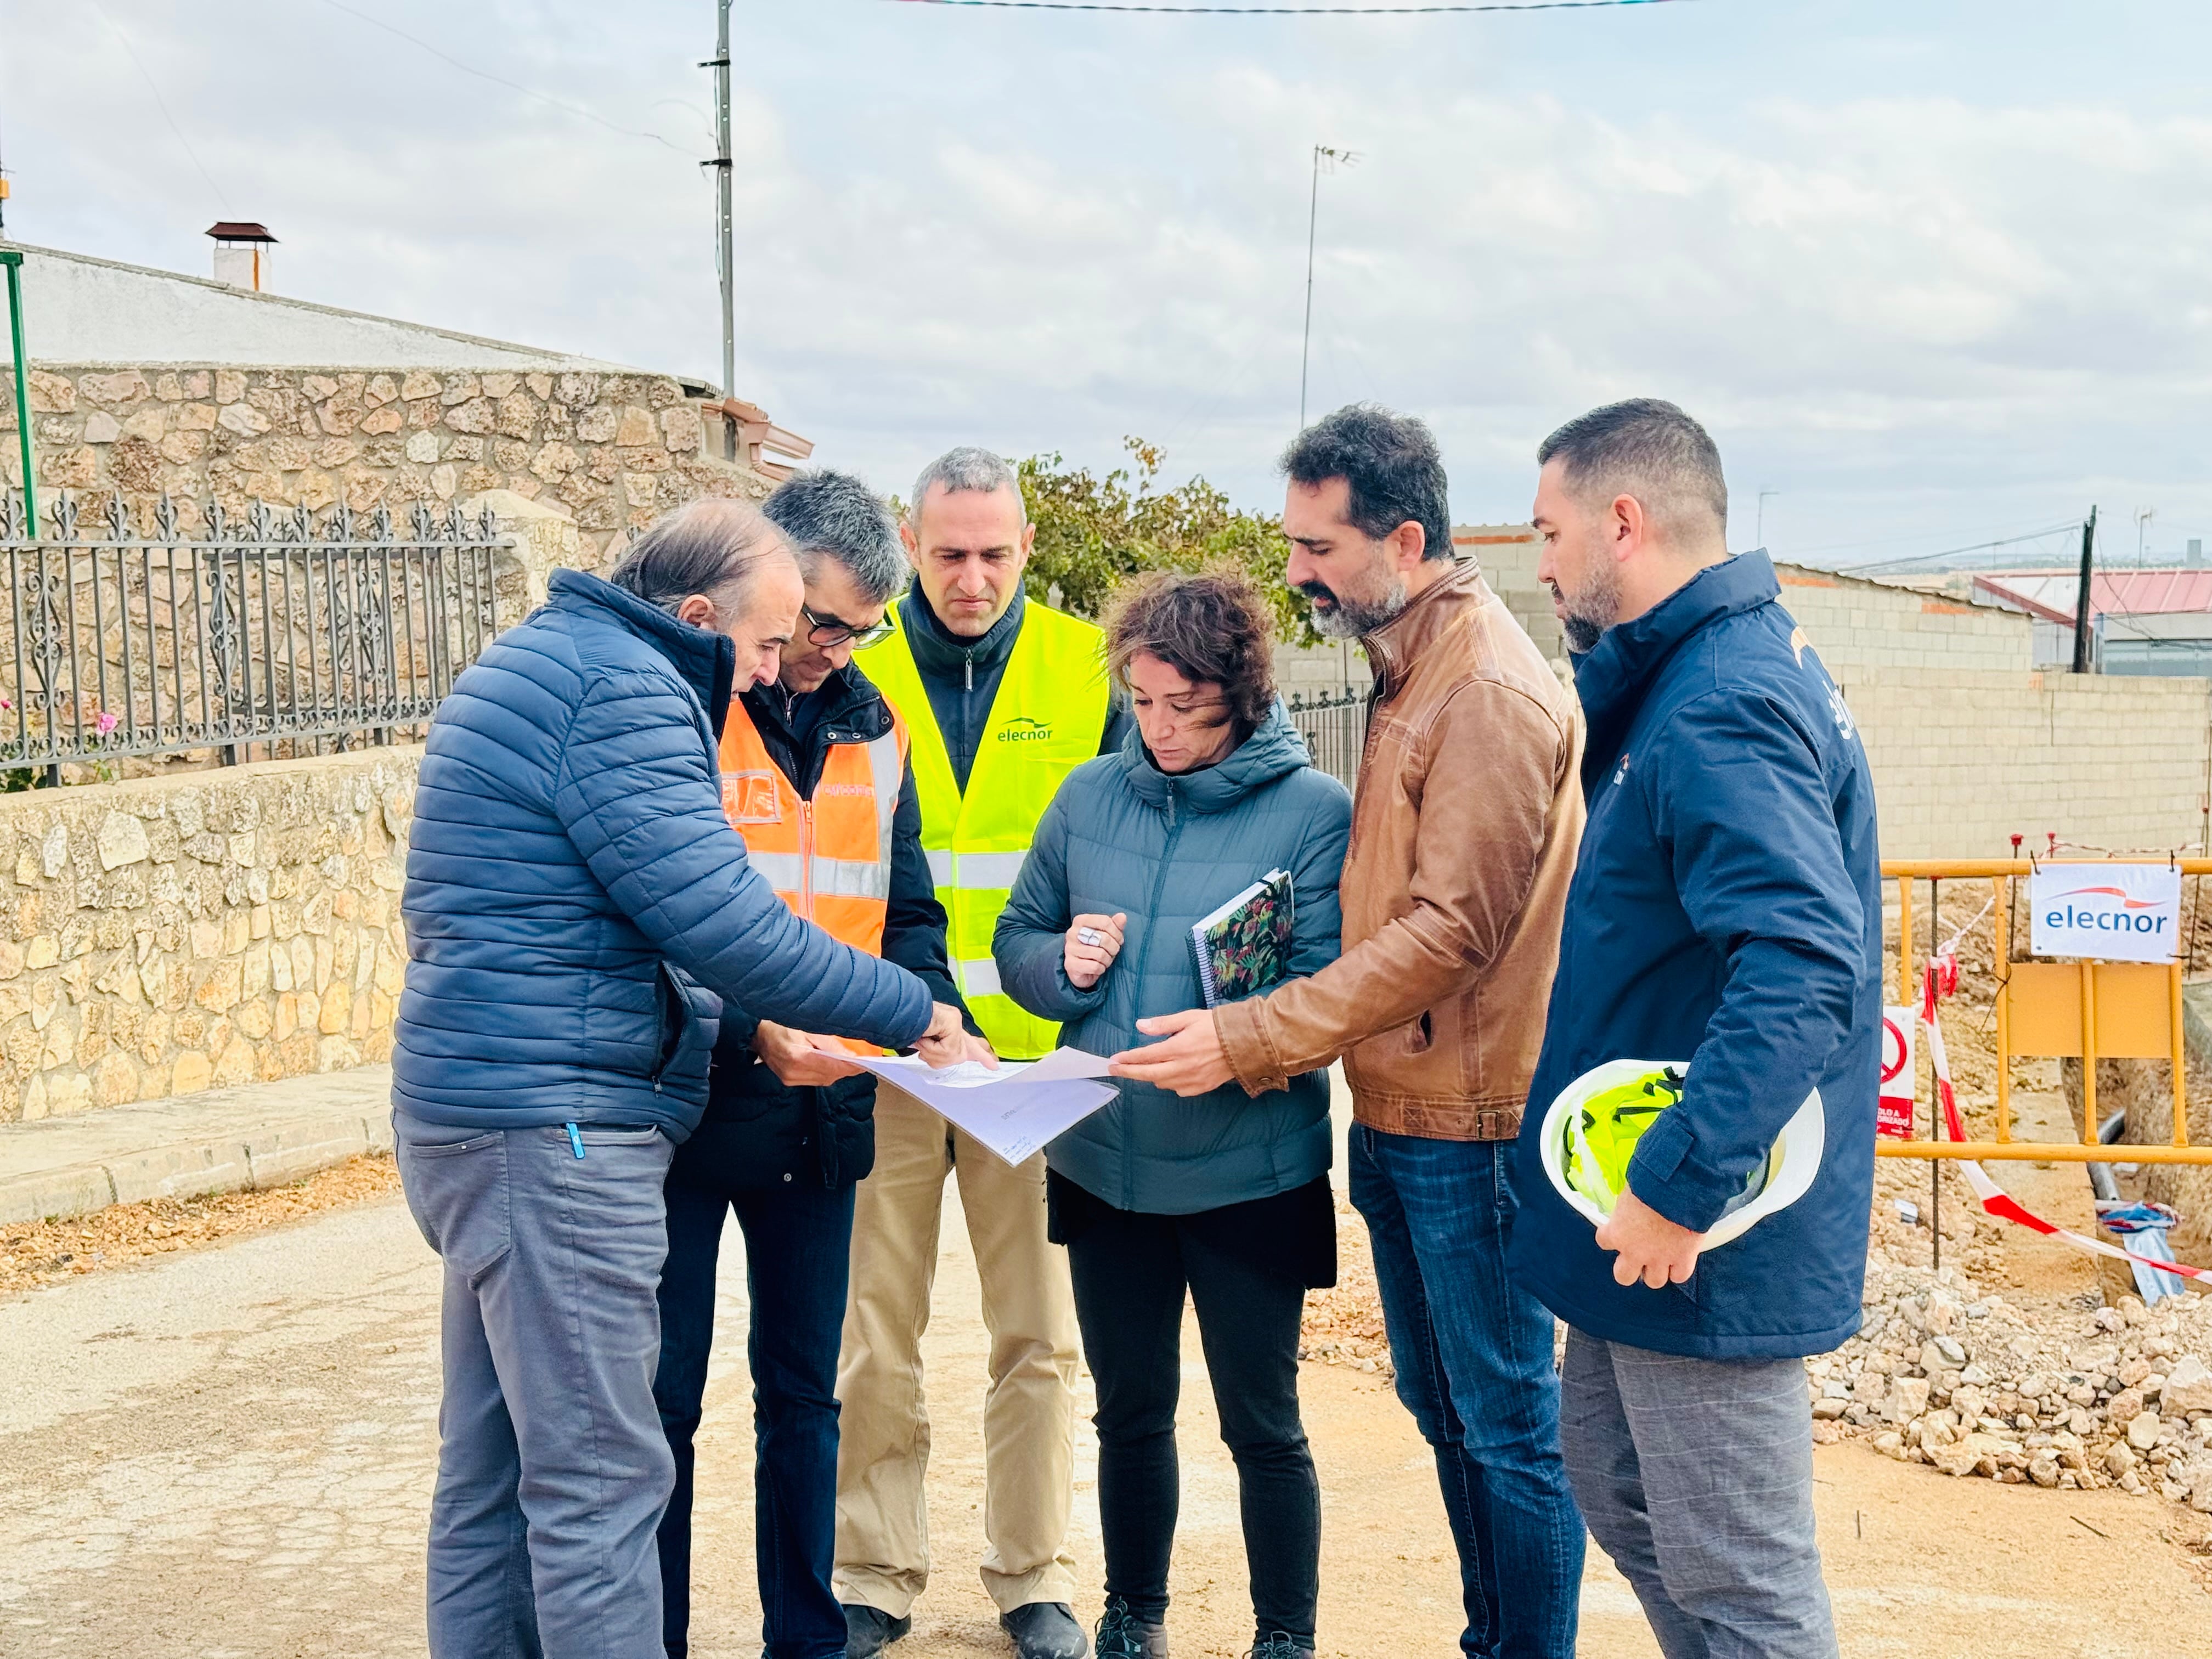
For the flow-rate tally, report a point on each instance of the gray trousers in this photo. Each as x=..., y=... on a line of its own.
x=552, y=1466
x=1696, y=1477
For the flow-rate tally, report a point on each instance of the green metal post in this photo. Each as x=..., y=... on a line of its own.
x=12, y=262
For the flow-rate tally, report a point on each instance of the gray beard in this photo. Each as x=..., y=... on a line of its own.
x=1350, y=619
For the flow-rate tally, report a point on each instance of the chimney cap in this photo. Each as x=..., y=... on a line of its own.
x=239, y=230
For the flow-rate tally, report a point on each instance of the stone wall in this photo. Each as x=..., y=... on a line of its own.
x=611, y=451
x=163, y=935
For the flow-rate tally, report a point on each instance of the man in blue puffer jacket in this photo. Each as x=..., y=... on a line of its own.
x=578, y=908
x=1726, y=911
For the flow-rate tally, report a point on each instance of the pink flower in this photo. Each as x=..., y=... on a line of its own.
x=6, y=704
x=107, y=723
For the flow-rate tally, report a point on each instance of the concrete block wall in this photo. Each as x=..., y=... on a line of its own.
x=1854, y=623
x=1965, y=758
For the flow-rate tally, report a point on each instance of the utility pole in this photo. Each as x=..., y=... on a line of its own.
x=1320, y=152
x=724, y=257
x=2081, y=596
x=1762, y=495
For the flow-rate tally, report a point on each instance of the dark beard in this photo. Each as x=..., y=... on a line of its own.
x=1583, y=634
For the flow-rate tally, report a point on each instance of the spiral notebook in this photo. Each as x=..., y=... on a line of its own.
x=1244, y=947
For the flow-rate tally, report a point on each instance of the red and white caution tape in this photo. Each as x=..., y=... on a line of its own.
x=1993, y=1198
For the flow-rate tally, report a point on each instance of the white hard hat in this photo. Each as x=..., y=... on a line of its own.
x=1578, y=1146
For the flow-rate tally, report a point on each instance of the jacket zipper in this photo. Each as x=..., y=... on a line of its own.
x=1144, y=953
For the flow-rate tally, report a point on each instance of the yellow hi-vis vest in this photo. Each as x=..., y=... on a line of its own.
x=829, y=858
x=1046, y=720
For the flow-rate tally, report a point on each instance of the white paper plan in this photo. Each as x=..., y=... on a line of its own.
x=1014, y=1110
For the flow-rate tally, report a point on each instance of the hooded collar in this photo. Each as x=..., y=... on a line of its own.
x=1428, y=615
x=1613, y=679
x=939, y=653
x=1274, y=749
x=706, y=660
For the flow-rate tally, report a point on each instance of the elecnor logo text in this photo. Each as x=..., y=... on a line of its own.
x=2106, y=912
x=1022, y=729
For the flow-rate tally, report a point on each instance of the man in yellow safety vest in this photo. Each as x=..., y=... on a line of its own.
x=1002, y=697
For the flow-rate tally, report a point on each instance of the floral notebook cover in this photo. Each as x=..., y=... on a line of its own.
x=1244, y=947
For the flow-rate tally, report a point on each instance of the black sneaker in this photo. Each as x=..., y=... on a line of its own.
x=1279, y=1646
x=1123, y=1636
x=1046, y=1630
x=869, y=1631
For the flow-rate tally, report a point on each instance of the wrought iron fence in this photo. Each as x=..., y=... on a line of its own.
x=1334, y=726
x=271, y=628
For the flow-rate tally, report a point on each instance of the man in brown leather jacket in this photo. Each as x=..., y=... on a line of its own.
x=1463, y=840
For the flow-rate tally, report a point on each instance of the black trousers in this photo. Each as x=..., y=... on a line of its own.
x=1130, y=1272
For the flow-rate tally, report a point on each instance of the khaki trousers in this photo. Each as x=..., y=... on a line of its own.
x=1029, y=1407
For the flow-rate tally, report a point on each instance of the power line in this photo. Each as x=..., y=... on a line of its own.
x=501, y=81
x=1953, y=552
x=162, y=104
x=1290, y=11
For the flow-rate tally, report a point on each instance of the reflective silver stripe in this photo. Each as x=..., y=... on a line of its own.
x=887, y=768
x=987, y=873
x=980, y=978
x=784, y=871
x=851, y=879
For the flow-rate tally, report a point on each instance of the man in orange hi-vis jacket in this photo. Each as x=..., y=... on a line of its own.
x=814, y=777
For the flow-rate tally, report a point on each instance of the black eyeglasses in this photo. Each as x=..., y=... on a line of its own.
x=834, y=630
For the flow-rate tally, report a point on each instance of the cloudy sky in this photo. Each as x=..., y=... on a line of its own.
x=1934, y=271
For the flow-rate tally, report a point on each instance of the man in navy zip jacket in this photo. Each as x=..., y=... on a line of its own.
x=577, y=907
x=1726, y=910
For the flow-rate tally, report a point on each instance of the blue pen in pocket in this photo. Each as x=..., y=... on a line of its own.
x=575, y=1140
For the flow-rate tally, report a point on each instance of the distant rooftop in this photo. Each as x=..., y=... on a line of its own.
x=77, y=310
x=2051, y=594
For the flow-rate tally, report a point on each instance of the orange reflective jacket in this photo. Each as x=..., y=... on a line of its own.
x=829, y=858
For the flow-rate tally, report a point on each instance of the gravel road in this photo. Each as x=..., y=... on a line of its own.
x=228, y=1455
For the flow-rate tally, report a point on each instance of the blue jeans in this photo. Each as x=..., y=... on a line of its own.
x=797, y=1239
x=552, y=1469
x=1473, y=1354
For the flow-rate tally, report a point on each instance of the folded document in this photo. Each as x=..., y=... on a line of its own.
x=1014, y=1110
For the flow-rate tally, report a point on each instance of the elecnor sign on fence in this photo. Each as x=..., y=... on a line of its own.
x=2113, y=912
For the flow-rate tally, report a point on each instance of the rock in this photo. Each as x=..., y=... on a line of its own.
x=127, y=387
x=476, y=415
x=2126, y=1404
x=1975, y=1454
x=2044, y=1470
x=423, y=447
x=2119, y=1460
x=1948, y=1348
x=419, y=384
x=2188, y=1388
x=2143, y=1431
x=103, y=427
x=1890, y=1444
x=1976, y=1375
x=1907, y=1399
x=243, y=419
x=122, y=840
x=637, y=428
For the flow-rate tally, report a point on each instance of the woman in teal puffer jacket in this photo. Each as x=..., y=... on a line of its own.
x=1223, y=1196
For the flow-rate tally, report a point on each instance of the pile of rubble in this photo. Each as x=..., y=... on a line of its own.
x=1946, y=1375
